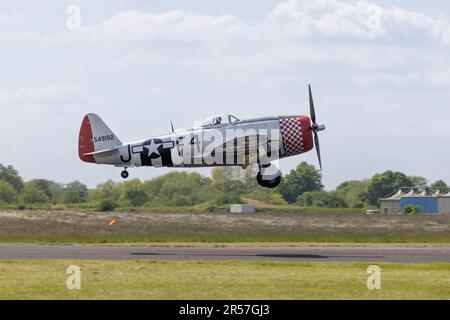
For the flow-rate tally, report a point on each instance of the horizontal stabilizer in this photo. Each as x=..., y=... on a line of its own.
x=101, y=152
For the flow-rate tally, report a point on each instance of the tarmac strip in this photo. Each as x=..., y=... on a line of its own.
x=299, y=254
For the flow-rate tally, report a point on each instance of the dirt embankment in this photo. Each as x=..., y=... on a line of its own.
x=42, y=223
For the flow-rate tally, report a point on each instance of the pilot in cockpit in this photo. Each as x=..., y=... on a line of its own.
x=217, y=121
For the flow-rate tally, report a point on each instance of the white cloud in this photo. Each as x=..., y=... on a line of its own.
x=52, y=92
x=292, y=19
x=55, y=98
x=411, y=23
x=337, y=19
x=171, y=25
x=293, y=38
x=331, y=18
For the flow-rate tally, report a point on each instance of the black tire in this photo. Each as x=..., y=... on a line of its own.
x=125, y=174
x=268, y=183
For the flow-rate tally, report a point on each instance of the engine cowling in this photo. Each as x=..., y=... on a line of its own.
x=297, y=135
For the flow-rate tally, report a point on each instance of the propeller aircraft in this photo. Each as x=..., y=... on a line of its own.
x=218, y=141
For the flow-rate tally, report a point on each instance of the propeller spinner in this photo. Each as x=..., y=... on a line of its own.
x=315, y=127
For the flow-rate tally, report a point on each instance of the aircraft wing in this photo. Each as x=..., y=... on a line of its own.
x=243, y=145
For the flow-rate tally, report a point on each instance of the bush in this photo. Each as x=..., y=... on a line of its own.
x=227, y=198
x=107, y=205
x=321, y=199
x=304, y=178
x=353, y=192
x=75, y=192
x=358, y=205
x=180, y=200
x=50, y=190
x=410, y=209
x=32, y=195
x=134, y=193
x=107, y=190
x=179, y=189
x=7, y=193
x=10, y=175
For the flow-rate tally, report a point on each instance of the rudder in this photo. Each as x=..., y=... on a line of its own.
x=95, y=136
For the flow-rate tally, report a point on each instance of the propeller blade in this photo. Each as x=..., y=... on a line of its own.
x=316, y=141
x=315, y=128
x=311, y=106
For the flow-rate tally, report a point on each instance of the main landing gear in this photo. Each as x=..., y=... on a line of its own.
x=125, y=174
x=269, y=176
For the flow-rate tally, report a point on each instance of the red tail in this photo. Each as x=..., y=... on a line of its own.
x=85, y=144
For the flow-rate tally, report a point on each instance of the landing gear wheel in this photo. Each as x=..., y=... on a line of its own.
x=125, y=174
x=268, y=183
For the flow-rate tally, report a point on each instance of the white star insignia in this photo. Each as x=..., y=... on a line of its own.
x=152, y=148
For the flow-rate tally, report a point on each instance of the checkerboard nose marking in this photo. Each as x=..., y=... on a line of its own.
x=292, y=132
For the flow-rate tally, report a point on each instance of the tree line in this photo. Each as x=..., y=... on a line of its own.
x=302, y=186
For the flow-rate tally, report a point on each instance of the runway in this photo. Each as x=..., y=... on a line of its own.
x=292, y=254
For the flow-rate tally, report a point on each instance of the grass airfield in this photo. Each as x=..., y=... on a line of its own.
x=151, y=279
x=220, y=280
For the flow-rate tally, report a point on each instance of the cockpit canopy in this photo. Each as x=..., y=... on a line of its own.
x=219, y=120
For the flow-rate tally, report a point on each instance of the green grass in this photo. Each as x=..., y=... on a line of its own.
x=218, y=238
x=46, y=279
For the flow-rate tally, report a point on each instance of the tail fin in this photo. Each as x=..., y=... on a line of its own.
x=95, y=136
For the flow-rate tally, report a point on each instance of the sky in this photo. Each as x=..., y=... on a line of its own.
x=380, y=72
